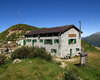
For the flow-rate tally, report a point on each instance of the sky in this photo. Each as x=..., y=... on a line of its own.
x=51, y=13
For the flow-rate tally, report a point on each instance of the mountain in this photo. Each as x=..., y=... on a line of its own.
x=16, y=32
x=93, y=39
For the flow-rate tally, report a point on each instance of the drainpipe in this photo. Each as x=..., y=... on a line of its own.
x=80, y=41
x=59, y=46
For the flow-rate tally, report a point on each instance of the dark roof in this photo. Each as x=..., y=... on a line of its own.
x=52, y=30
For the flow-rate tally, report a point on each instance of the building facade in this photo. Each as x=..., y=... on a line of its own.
x=61, y=41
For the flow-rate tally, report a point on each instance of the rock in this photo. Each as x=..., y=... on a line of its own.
x=30, y=61
x=17, y=61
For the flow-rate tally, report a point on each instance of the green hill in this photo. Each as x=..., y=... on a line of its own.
x=15, y=32
x=88, y=47
x=93, y=39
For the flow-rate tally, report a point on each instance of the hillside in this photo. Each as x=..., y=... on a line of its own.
x=15, y=32
x=93, y=54
x=93, y=39
x=39, y=69
x=88, y=47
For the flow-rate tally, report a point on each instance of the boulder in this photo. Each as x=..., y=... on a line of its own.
x=17, y=61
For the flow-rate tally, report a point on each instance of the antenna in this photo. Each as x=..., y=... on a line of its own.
x=80, y=29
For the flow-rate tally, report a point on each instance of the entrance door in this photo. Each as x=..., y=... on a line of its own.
x=70, y=52
x=24, y=42
x=32, y=42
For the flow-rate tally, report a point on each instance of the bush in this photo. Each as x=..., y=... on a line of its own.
x=21, y=53
x=71, y=73
x=2, y=59
x=39, y=52
x=31, y=52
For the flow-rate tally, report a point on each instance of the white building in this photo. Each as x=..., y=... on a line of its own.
x=59, y=41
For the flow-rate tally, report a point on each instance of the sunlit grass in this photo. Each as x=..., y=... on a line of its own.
x=38, y=69
x=83, y=72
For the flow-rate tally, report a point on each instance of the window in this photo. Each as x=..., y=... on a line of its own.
x=77, y=49
x=56, y=41
x=41, y=40
x=34, y=40
x=72, y=41
x=53, y=51
x=28, y=40
x=48, y=41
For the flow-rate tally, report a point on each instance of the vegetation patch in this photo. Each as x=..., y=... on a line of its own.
x=31, y=52
x=88, y=48
x=73, y=72
x=39, y=69
x=2, y=59
x=24, y=28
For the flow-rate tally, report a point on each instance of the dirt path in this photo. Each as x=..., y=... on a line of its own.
x=64, y=61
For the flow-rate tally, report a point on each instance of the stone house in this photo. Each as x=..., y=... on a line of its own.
x=60, y=41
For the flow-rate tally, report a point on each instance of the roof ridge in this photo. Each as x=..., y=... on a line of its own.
x=53, y=30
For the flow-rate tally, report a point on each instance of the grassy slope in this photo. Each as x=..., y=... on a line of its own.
x=37, y=70
x=23, y=27
x=92, y=71
x=93, y=54
x=43, y=70
x=85, y=73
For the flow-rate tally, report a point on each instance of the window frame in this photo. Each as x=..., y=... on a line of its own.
x=34, y=40
x=77, y=49
x=56, y=40
x=71, y=40
x=53, y=51
x=28, y=40
x=41, y=40
x=47, y=42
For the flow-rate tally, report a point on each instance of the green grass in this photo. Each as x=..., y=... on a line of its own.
x=94, y=59
x=93, y=54
x=43, y=70
x=88, y=48
x=83, y=72
x=92, y=71
x=37, y=70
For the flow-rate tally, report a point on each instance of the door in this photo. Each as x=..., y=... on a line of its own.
x=24, y=42
x=32, y=42
x=70, y=52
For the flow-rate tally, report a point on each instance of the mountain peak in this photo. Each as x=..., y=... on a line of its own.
x=93, y=39
x=97, y=33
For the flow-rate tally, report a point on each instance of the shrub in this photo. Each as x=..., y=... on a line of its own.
x=2, y=59
x=41, y=53
x=71, y=73
x=31, y=52
x=21, y=53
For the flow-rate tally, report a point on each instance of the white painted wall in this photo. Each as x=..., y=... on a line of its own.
x=19, y=42
x=48, y=47
x=65, y=47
